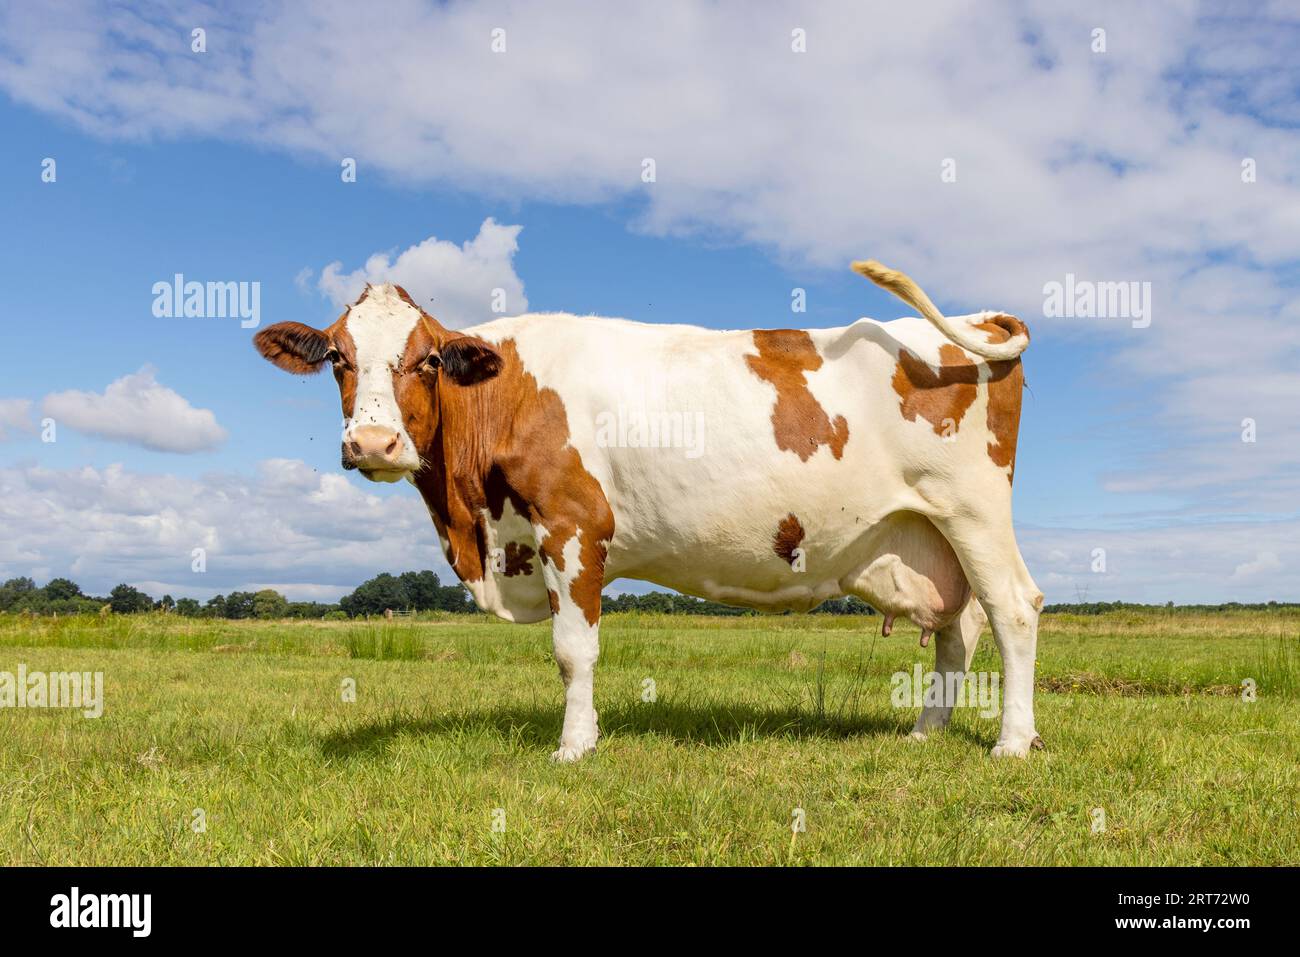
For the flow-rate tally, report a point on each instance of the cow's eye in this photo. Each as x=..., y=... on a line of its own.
x=431, y=362
x=333, y=356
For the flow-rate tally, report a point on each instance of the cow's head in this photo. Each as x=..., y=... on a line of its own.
x=390, y=359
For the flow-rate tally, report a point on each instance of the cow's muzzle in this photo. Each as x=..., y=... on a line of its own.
x=376, y=452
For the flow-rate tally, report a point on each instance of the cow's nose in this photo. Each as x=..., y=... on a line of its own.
x=372, y=446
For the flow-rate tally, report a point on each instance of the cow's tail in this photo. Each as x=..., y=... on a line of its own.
x=1004, y=337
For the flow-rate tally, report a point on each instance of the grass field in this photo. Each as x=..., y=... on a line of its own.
x=454, y=721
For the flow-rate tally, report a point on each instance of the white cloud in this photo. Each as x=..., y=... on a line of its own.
x=15, y=416
x=1202, y=562
x=455, y=284
x=1262, y=563
x=138, y=410
x=310, y=535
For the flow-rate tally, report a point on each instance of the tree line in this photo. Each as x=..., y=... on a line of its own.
x=409, y=591
x=422, y=591
x=1105, y=607
x=671, y=603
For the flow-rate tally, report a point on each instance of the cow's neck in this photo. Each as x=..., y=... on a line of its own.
x=504, y=445
x=465, y=474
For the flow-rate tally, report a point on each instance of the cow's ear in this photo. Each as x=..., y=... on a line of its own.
x=466, y=360
x=293, y=346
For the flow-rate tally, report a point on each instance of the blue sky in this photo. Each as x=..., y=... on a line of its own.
x=1114, y=166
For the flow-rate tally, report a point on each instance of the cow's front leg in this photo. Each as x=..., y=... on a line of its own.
x=575, y=634
x=573, y=537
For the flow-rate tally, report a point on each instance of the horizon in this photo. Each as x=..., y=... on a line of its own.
x=653, y=590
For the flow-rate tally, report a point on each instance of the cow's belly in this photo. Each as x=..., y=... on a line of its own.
x=723, y=526
x=901, y=565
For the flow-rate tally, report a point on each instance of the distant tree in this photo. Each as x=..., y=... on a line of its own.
x=847, y=605
x=456, y=598
x=126, y=600
x=15, y=590
x=166, y=603
x=423, y=591
x=269, y=603
x=239, y=604
x=668, y=603
x=373, y=596
x=309, y=609
x=416, y=591
x=188, y=607
x=60, y=589
x=216, y=607
x=81, y=605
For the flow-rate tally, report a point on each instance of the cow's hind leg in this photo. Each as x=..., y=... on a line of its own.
x=953, y=649
x=987, y=550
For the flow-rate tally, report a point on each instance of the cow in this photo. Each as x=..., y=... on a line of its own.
x=553, y=455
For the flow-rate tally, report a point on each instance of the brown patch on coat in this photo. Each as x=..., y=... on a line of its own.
x=504, y=439
x=939, y=396
x=499, y=492
x=1006, y=384
x=554, y=601
x=405, y=296
x=1000, y=327
x=345, y=373
x=518, y=560
x=789, y=534
x=799, y=423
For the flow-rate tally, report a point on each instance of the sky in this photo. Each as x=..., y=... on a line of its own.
x=987, y=150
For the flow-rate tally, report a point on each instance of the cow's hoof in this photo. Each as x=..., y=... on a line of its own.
x=928, y=723
x=567, y=753
x=916, y=736
x=1011, y=750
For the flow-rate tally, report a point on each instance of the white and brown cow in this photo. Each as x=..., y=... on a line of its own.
x=872, y=460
